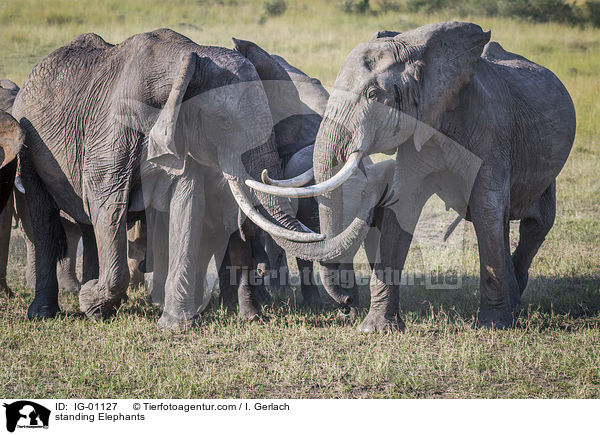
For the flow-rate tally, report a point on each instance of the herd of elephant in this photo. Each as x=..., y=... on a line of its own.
x=162, y=154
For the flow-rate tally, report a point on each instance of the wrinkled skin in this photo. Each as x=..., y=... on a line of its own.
x=66, y=267
x=161, y=113
x=485, y=129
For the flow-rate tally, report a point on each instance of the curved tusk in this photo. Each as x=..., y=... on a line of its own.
x=19, y=185
x=297, y=181
x=265, y=224
x=318, y=189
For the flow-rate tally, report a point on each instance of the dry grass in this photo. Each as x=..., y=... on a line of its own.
x=554, y=352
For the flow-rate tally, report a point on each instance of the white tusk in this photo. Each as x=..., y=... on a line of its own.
x=19, y=185
x=297, y=181
x=318, y=189
x=265, y=224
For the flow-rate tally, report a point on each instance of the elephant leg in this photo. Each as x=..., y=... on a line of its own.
x=385, y=276
x=136, y=251
x=371, y=245
x=49, y=239
x=186, y=217
x=500, y=295
x=158, y=253
x=99, y=298
x=25, y=225
x=5, y=228
x=66, y=269
x=90, y=254
x=260, y=266
x=532, y=231
x=240, y=253
x=310, y=292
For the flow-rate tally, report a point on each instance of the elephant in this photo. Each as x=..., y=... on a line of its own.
x=297, y=156
x=10, y=135
x=302, y=104
x=74, y=232
x=66, y=268
x=485, y=129
x=142, y=127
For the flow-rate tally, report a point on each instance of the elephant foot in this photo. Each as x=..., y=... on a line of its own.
x=380, y=323
x=41, y=310
x=96, y=302
x=68, y=285
x=249, y=313
x=262, y=295
x=176, y=323
x=495, y=319
x=136, y=279
x=6, y=290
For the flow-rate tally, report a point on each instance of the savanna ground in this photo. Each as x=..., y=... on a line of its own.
x=553, y=352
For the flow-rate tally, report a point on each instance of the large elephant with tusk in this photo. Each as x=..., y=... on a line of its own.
x=485, y=129
x=113, y=130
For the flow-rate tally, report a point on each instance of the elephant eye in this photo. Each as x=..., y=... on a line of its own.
x=372, y=93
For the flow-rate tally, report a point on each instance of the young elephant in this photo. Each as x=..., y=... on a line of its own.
x=8, y=93
x=485, y=129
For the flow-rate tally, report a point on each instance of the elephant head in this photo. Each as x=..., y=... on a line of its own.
x=11, y=134
x=390, y=92
x=222, y=105
x=12, y=137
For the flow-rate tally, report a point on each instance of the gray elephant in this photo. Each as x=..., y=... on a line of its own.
x=485, y=129
x=66, y=268
x=74, y=232
x=300, y=109
x=8, y=93
x=297, y=156
x=113, y=130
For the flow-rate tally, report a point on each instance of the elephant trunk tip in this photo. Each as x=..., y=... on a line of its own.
x=261, y=269
x=347, y=300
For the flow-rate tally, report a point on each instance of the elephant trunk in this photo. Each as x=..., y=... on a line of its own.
x=12, y=137
x=331, y=206
x=278, y=219
x=337, y=245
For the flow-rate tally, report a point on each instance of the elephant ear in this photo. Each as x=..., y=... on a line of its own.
x=8, y=93
x=12, y=138
x=284, y=101
x=163, y=149
x=384, y=34
x=450, y=53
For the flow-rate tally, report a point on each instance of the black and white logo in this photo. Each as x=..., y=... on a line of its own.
x=27, y=415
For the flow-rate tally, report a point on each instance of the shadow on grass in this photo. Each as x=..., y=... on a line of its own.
x=548, y=302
